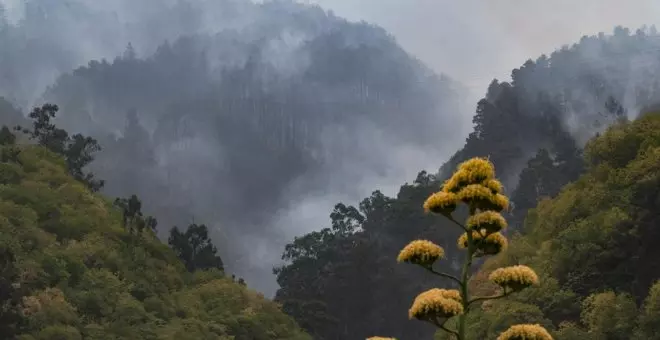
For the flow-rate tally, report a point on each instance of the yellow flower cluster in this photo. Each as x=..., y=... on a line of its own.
x=479, y=169
x=491, y=221
x=441, y=203
x=494, y=185
x=463, y=239
x=421, y=252
x=497, y=202
x=456, y=182
x=473, y=171
x=493, y=244
x=486, y=244
x=483, y=198
x=525, y=332
x=435, y=304
x=473, y=183
x=452, y=294
x=474, y=192
x=515, y=277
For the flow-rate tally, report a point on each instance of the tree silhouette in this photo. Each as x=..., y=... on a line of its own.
x=194, y=248
x=77, y=150
x=132, y=218
x=475, y=185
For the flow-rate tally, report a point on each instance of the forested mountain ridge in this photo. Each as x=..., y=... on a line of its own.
x=295, y=103
x=533, y=130
x=76, y=265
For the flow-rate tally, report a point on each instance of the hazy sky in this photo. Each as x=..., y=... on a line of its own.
x=477, y=40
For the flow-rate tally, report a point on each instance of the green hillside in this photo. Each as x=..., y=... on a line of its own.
x=70, y=269
x=594, y=247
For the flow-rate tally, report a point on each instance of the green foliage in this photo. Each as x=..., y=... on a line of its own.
x=623, y=143
x=649, y=326
x=544, y=176
x=609, y=315
x=71, y=270
x=597, y=241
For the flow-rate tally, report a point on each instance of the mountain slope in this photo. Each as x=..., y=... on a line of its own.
x=297, y=106
x=594, y=245
x=532, y=131
x=71, y=271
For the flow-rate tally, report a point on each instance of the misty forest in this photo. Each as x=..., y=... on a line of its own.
x=232, y=170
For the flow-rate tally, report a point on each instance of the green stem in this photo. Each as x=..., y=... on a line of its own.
x=451, y=218
x=464, y=290
x=445, y=275
x=465, y=296
x=444, y=328
x=493, y=297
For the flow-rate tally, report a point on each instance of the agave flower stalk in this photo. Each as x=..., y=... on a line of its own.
x=473, y=184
